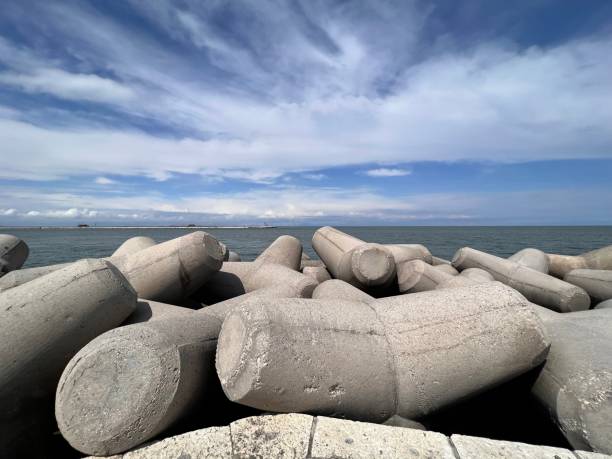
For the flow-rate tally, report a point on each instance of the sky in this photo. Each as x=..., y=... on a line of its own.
x=365, y=112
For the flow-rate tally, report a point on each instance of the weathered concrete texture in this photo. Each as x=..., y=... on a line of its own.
x=131, y=383
x=398, y=421
x=466, y=277
x=418, y=276
x=169, y=272
x=448, y=269
x=318, y=273
x=337, y=438
x=531, y=258
x=439, y=261
x=133, y=245
x=299, y=436
x=537, y=287
x=591, y=455
x=307, y=261
x=368, y=362
x=353, y=260
x=604, y=305
x=237, y=278
x=336, y=289
x=560, y=265
x=223, y=308
x=44, y=323
x=210, y=443
x=408, y=252
x=285, y=251
x=152, y=310
x=13, y=253
x=479, y=448
x=21, y=276
x=596, y=282
x=272, y=436
x=575, y=384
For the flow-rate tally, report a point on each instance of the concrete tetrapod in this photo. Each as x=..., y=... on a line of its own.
x=537, y=287
x=237, y=278
x=131, y=383
x=408, y=252
x=335, y=289
x=353, y=260
x=575, y=384
x=448, y=269
x=466, y=277
x=604, y=305
x=418, y=276
x=133, y=245
x=21, y=276
x=531, y=258
x=233, y=256
x=318, y=273
x=560, y=265
x=152, y=310
x=13, y=253
x=169, y=272
x=285, y=251
x=44, y=323
x=408, y=355
x=596, y=282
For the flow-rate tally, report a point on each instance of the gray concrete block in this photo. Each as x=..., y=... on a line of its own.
x=210, y=443
x=338, y=438
x=285, y=251
x=133, y=245
x=153, y=310
x=439, y=261
x=575, y=383
x=169, y=272
x=590, y=455
x=318, y=273
x=237, y=278
x=13, y=253
x=417, y=276
x=353, y=260
x=131, y=383
x=537, y=287
x=336, y=289
x=21, y=276
x=560, y=265
x=44, y=323
x=448, y=269
x=604, y=305
x=286, y=436
x=532, y=258
x=398, y=421
x=408, y=355
x=596, y=282
x=408, y=252
x=233, y=256
x=479, y=448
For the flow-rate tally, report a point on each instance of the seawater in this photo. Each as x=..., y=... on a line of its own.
x=58, y=245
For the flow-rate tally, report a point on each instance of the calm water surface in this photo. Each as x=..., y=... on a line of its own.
x=57, y=245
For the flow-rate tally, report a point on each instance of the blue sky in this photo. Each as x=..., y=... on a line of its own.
x=312, y=112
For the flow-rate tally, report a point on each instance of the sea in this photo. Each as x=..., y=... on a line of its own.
x=49, y=245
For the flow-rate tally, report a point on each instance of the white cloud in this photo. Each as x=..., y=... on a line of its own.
x=69, y=85
x=104, y=181
x=384, y=172
x=8, y=212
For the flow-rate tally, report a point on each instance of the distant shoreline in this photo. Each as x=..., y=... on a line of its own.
x=137, y=227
